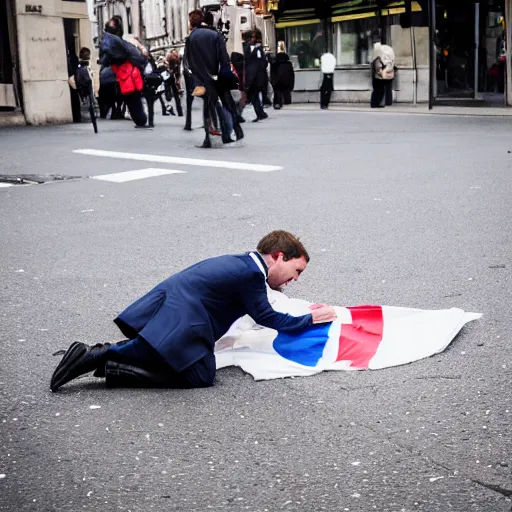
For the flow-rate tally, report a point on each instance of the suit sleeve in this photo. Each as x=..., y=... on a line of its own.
x=254, y=297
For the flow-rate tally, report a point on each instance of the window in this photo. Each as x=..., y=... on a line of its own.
x=304, y=43
x=353, y=40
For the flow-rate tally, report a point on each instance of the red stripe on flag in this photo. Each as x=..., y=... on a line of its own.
x=360, y=340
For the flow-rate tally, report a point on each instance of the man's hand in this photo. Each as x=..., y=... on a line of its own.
x=322, y=314
x=317, y=306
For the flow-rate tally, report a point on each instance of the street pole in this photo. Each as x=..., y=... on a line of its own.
x=477, y=48
x=414, y=68
x=432, y=51
x=508, y=63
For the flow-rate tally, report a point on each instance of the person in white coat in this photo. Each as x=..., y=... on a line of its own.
x=383, y=73
x=327, y=65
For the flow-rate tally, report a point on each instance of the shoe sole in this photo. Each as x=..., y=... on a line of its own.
x=76, y=351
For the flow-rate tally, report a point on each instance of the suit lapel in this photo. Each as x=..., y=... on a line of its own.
x=260, y=262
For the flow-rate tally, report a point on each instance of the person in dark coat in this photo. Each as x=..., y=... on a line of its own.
x=282, y=77
x=256, y=77
x=207, y=58
x=237, y=61
x=172, y=330
x=109, y=95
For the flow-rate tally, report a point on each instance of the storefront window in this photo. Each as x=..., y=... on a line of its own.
x=305, y=44
x=353, y=41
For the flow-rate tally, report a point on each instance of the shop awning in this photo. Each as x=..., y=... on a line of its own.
x=347, y=12
x=296, y=17
x=294, y=13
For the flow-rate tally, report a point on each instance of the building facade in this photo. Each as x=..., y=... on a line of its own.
x=39, y=44
x=163, y=24
x=446, y=50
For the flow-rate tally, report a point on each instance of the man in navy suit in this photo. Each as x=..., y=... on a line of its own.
x=172, y=330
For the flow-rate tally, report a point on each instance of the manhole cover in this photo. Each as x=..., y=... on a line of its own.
x=34, y=179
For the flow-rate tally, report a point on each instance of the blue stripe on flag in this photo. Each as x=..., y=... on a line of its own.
x=303, y=347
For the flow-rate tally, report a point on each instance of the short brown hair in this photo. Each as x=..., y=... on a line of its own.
x=196, y=18
x=85, y=54
x=282, y=241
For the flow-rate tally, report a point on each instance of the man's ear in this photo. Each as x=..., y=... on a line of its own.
x=275, y=255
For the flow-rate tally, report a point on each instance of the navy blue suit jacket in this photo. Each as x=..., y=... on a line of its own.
x=186, y=314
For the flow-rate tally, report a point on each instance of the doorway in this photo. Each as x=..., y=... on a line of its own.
x=469, y=43
x=72, y=39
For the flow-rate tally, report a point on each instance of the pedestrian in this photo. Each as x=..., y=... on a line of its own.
x=238, y=64
x=327, y=65
x=172, y=330
x=152, y=81
x=128, y=64
x=173, y=87
x=72, y=64
x=282, y=78
x=82, y=83
x=207, y=58
x=383, y=73
x=256, y=78
x=162, y=91
x=190, y=86
x=110, y=98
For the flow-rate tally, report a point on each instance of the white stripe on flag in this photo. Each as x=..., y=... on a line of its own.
x=163, y=159
x=121, y=177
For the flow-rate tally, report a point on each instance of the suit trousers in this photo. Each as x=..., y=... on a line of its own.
x=253, y=95
x=139, y=353
x=326, y=90
x=189, y=86
x=134, y=103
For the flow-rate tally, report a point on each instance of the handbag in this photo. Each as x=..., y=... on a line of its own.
x=228, y=79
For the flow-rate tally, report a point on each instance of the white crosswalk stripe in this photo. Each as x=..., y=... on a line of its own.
x=121, y=177
x=3, y=185
x=164, y=159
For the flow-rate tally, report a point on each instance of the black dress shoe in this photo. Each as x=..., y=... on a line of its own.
x=78, y=360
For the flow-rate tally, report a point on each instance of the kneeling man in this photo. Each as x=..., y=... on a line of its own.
x=172, y=330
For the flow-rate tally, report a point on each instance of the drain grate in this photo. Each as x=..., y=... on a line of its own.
x=34, y=179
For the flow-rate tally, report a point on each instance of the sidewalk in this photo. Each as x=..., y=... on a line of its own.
x=408, y=108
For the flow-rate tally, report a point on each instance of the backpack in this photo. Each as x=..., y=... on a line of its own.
x=129, y=77
x=83, y=78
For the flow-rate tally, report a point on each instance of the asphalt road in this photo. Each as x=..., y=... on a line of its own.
x=401, y=210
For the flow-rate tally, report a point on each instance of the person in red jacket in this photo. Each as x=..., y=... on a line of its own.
x=128, y=63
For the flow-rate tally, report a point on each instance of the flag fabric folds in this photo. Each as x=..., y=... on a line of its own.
x=363, y=337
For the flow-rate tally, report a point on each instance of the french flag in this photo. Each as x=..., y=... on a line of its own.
x=362, y=337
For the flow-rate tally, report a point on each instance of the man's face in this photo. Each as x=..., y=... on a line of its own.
x=281, y=272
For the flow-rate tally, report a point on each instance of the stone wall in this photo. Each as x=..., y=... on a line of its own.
x=43, y=63
x=43, y=59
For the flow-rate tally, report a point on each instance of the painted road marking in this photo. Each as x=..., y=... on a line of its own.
x=139, y=174
x=5, y=185
x=163, y=159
